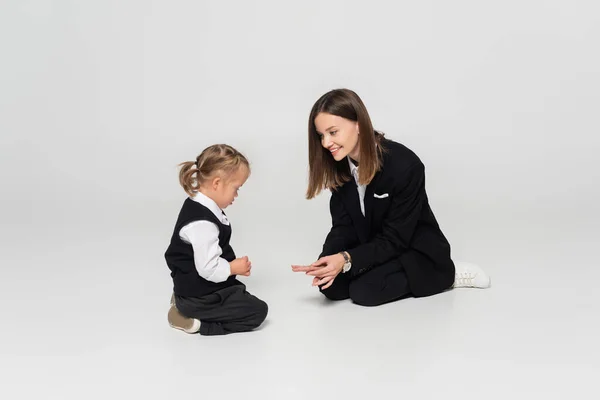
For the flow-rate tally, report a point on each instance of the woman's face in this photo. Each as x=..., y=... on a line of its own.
x=338, y=135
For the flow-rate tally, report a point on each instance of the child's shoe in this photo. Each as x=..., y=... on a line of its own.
x=178, y=321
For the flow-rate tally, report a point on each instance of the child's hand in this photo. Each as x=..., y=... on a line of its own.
x=240, y=266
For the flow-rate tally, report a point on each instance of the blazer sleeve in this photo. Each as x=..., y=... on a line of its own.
x=342, y=234
x=398, y=226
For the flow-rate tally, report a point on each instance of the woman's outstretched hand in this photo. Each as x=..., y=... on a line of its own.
x=324, y=270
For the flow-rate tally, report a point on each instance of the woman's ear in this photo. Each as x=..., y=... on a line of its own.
x=357, y=128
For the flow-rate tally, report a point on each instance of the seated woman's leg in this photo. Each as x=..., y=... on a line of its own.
x=382, y=284
x=338, y=289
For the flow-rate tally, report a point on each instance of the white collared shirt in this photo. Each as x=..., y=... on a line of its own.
x=361, y=188
x=204, y=238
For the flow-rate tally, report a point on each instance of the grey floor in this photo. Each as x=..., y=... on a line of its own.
x=100, y=100
x=88, y=320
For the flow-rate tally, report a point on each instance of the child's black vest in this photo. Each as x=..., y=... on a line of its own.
x=180, y=255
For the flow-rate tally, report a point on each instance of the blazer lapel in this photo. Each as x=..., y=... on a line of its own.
x=369, y=204
x=349, y=194
x=369, y=201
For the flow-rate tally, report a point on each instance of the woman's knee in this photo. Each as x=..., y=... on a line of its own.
x=364, y=294
x=335, y=293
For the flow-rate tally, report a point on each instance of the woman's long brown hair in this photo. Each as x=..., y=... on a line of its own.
x=324, y=171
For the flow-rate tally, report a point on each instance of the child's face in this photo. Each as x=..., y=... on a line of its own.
x=226, y=188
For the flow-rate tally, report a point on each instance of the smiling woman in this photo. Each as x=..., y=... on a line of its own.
x=334, y=127
x=385, y=243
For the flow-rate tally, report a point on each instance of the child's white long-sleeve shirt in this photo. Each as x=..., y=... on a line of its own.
x=204, y=238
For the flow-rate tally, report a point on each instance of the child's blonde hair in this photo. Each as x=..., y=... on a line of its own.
x=214, y=159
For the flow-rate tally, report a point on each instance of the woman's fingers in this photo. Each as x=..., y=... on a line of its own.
x=301, y=268
x=317, y=265
x=323, y=280
x=330, y=283
x=306, y=268
x=323, y=271
x=320, y=262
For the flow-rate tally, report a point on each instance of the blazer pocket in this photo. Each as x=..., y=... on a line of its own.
x=380, y=196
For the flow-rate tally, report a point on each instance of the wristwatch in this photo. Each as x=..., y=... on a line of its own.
x=347, y=262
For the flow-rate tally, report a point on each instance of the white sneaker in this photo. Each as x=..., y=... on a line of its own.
x=470, y=276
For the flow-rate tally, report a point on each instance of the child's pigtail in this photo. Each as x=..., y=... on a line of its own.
x=187, y=180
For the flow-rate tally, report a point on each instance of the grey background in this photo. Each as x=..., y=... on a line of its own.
x=99, y=101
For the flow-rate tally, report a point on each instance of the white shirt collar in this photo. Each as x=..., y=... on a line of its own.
x=353, y=169
x=212, y=206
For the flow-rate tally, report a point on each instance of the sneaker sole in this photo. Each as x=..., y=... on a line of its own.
x=175, y=325
x=190, y=331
